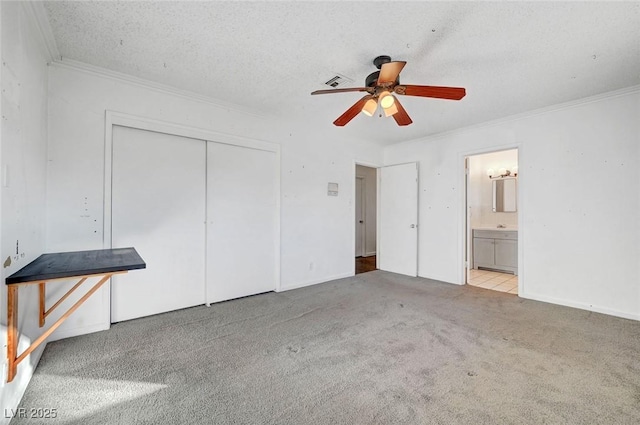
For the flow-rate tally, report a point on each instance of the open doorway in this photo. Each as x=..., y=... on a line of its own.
x=365, y=219
x=492, y=220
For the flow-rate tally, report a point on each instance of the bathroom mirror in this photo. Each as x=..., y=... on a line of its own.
x=505, y=195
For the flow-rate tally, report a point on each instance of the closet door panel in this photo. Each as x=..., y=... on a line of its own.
x=158, y=207
x=241, y=221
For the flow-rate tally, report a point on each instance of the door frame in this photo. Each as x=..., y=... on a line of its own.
x=353, y=209
x=363, y=214
x=113, y=118
x=464, y=247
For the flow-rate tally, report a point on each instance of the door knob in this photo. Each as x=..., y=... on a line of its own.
x=413, y=226
x=361, y=222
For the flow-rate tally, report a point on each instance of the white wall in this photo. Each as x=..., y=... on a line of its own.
x=23, y=140
x=579, y=194
x=480, y=190
x=317, y=231
x=370, y=178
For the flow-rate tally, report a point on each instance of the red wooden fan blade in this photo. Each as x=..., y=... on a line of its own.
x=352, y=112
x=401, y=117
x=389, y=72
x=452, y=93
x=369, y=89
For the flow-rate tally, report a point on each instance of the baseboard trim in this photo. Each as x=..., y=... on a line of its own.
x=369, y=254
x=316, y=281
x=440, y=279
x=581, y=306
x=68, y=333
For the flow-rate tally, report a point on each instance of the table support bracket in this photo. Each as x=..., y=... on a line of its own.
x=43, y=313
x=12, y=319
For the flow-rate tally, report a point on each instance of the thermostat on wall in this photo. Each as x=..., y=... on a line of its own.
x=332, y=189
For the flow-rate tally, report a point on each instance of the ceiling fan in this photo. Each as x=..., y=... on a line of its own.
x=381, y=87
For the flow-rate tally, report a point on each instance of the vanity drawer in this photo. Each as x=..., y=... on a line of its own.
x=495, y=234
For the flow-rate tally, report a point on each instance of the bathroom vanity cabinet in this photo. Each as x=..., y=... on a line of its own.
x=495, y=249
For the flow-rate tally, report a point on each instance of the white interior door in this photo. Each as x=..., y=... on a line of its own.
x=158, y=207
x=241, y=221
x=359, y=217
x=398, y=219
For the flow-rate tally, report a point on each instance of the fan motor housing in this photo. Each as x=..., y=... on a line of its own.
x=372, y=79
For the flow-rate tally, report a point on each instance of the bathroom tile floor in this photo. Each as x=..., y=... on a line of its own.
x=503, y=282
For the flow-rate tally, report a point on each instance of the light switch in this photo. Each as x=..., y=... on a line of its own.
x=332, y=189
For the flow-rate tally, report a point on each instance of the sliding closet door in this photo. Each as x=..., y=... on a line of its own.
x=158, y=207
x=241, y=221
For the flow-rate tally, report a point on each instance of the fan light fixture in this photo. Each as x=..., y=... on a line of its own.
x=370, y=107
x=391, y=110
x=386, y=100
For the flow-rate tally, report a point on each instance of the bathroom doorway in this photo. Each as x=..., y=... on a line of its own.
x=492, y=220
x=365, y=218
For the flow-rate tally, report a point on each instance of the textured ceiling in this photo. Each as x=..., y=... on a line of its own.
x=511, y=57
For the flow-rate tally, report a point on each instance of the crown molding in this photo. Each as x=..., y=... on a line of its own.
x=35, y=10
x=517, y=117
x=158, y=87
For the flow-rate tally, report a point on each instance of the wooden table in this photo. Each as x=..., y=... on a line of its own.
x=82, y=265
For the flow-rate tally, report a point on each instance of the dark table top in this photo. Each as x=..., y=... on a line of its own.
x=78, y=263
